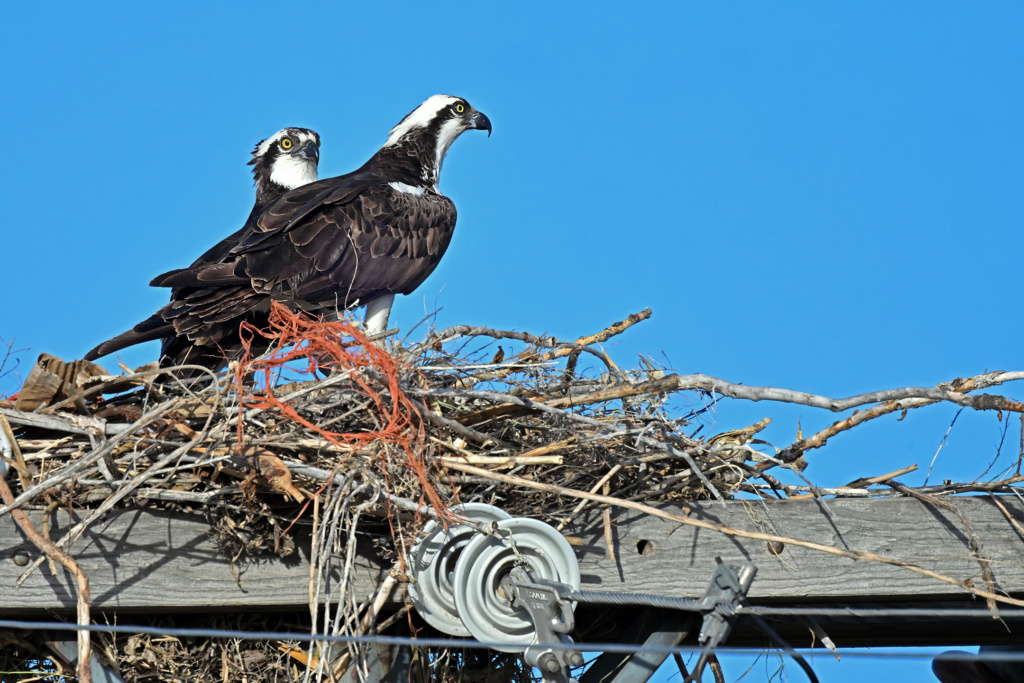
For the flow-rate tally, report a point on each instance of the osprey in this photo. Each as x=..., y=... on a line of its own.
x=284, y=161
x=357, y=239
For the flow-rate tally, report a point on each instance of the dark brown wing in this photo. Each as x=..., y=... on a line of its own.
x=337, y=246
x=287, y=210
x=336, y=243
x=201, y=312
x=381, y=242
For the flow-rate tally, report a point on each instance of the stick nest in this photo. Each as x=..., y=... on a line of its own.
x=333, y=432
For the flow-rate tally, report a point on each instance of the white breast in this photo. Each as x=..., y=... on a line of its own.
x=408, y=189
x=292, y=172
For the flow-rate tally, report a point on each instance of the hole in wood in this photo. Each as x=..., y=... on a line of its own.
x=644, y=547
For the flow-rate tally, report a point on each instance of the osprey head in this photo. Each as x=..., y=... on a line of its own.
x=430, y=129
x=284, y=161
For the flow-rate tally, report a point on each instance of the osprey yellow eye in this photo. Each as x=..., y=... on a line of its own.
x=460, y=108
x=286, y=143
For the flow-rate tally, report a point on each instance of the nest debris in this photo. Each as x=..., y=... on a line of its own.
x=359, y=428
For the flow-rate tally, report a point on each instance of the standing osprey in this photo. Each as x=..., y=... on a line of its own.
x=284, y=161
x=358, y=239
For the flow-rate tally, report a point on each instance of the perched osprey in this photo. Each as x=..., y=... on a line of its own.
x=358, y=239
x=284, y=161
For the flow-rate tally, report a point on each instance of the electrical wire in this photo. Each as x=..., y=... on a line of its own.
x=867, y=613
x=690, y=605
x=614, y=598
x=461, y=644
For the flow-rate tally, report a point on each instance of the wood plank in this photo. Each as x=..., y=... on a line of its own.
x=682, y=558
x=156, y=561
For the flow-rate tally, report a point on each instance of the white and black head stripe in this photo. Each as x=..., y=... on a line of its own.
x=420, y=117
x=299, y=136
x=425, y=135
x=284, y=161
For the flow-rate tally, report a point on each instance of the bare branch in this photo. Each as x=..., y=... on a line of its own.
x=954, y=392
x=561, y=348
x=957, y=388
x=721, y=528
x=82, y=581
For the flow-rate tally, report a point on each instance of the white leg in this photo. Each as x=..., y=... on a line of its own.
x=324, y=364
x=377, y=312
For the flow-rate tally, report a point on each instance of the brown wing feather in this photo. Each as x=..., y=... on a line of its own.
x=398, y=239
x=334, y=243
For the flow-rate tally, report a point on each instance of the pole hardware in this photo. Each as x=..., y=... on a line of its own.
x=518, y=584
x=720, y=605
x=553, y=618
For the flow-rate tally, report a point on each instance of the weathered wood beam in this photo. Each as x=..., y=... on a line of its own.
x=156, y=561
x=658, y=556
x=147, y=560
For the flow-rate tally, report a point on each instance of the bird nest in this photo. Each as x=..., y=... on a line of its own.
x=334, y=432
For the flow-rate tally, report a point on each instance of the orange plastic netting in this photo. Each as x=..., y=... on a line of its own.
x=296, y=337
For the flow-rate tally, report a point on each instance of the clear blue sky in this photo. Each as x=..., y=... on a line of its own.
x=808, y=195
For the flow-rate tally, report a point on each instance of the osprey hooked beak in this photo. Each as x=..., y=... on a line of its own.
x=480, y=121
x=310, y=151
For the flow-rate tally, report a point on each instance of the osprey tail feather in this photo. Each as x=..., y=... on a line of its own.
x=154, y=327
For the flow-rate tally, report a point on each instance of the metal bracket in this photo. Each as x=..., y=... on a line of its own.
x=517, y=589
x=553, y=618
x=720, y=604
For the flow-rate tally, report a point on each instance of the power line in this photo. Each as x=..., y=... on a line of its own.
x=461, y=644
x=867, y=613
x=691, y=605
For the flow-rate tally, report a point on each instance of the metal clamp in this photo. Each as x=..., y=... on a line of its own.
x=553, y=618
x=720, y=605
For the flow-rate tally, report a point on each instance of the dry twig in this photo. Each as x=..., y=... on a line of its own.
x=81, y=580
x=572, y=439
x=721, y=528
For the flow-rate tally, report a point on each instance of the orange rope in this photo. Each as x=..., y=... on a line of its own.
x=297, y=336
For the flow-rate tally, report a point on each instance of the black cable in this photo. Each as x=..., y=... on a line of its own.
x=867, y=613
x=613, y=598
x=459, y=644
x=691, y=605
